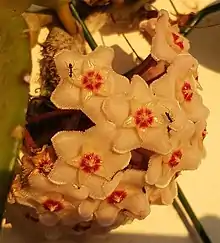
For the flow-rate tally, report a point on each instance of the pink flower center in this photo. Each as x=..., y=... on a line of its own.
x=177, y=41
x=90, y=162
x=187, y=91
x=175, y=158
x=92, y=81
x=52, y=205
x=143, y=117
x=204, y=133
x=117, y=197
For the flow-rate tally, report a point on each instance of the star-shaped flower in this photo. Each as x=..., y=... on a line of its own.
x=35, y=171
x=199, y=136
x=42, y=183
x=86, y=80
x=164, y=195
x=86, y=159
x=179, y=83
x=52, y=207
x=167, y=43
x=128, y=196
x=41, y=162
x=162, y=168
x=140, y=119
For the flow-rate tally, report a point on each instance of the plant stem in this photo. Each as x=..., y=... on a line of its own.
x=198, y=17
x=174, y=7
x=89, y=38
x=132, y=48
x=198, y=226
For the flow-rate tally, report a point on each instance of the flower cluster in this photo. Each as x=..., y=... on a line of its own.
x=145, y=135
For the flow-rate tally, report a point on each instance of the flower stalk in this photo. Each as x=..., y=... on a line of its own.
x=89, y=38
x=196, y=223
x=192, y=23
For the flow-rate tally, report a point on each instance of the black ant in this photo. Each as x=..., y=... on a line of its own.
x=70, y=66
x=169, y=117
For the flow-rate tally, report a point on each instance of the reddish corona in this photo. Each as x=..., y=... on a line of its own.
x=176, y=40
x=52, y=205
x=117, y=197
x=187, y=91
x=204, y=133
x=175, y=158
x=143, y=117
x=92, y=81
x=90, y=162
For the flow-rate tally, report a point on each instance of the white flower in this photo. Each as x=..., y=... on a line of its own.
x=162, y=168
x=41, y=183
x=175, y=116
x=199, y=135
x=86, y=159
x=129, y=197
x=86, y=80
x=39, y=166
x=164, y=195
x=179, y=83
x=148, y=26
x=52, y=207
x=183, y=135
x=140, y=120
x=167, y=43
x=87, y=208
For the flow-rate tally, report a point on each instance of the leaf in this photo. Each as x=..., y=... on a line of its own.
x=18, y=6
x=15, y=62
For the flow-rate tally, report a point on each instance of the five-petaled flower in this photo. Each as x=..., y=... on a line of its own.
x=86, y=80
x=52, y=208
x=41, y=162
x=179, y=83
x=199, y=135
x=162, y=168
x=167, y=43
x=140, y=120
x=86, y=159
x=128, y=197
x=164, y=195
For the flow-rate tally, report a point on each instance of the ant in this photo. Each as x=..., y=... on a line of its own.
x=70, y=66
x=168, y=115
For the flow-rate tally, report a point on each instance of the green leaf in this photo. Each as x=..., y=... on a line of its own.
x=18, y=6
x=15, y=62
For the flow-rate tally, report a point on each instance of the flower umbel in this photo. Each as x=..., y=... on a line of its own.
x=143, y=137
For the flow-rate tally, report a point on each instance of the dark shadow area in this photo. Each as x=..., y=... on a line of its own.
x=205, y=42
x=122, y=61
x=145, y=238
x=26, y=231
x=211, y=224
x=118, y=28
x=204, y=38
